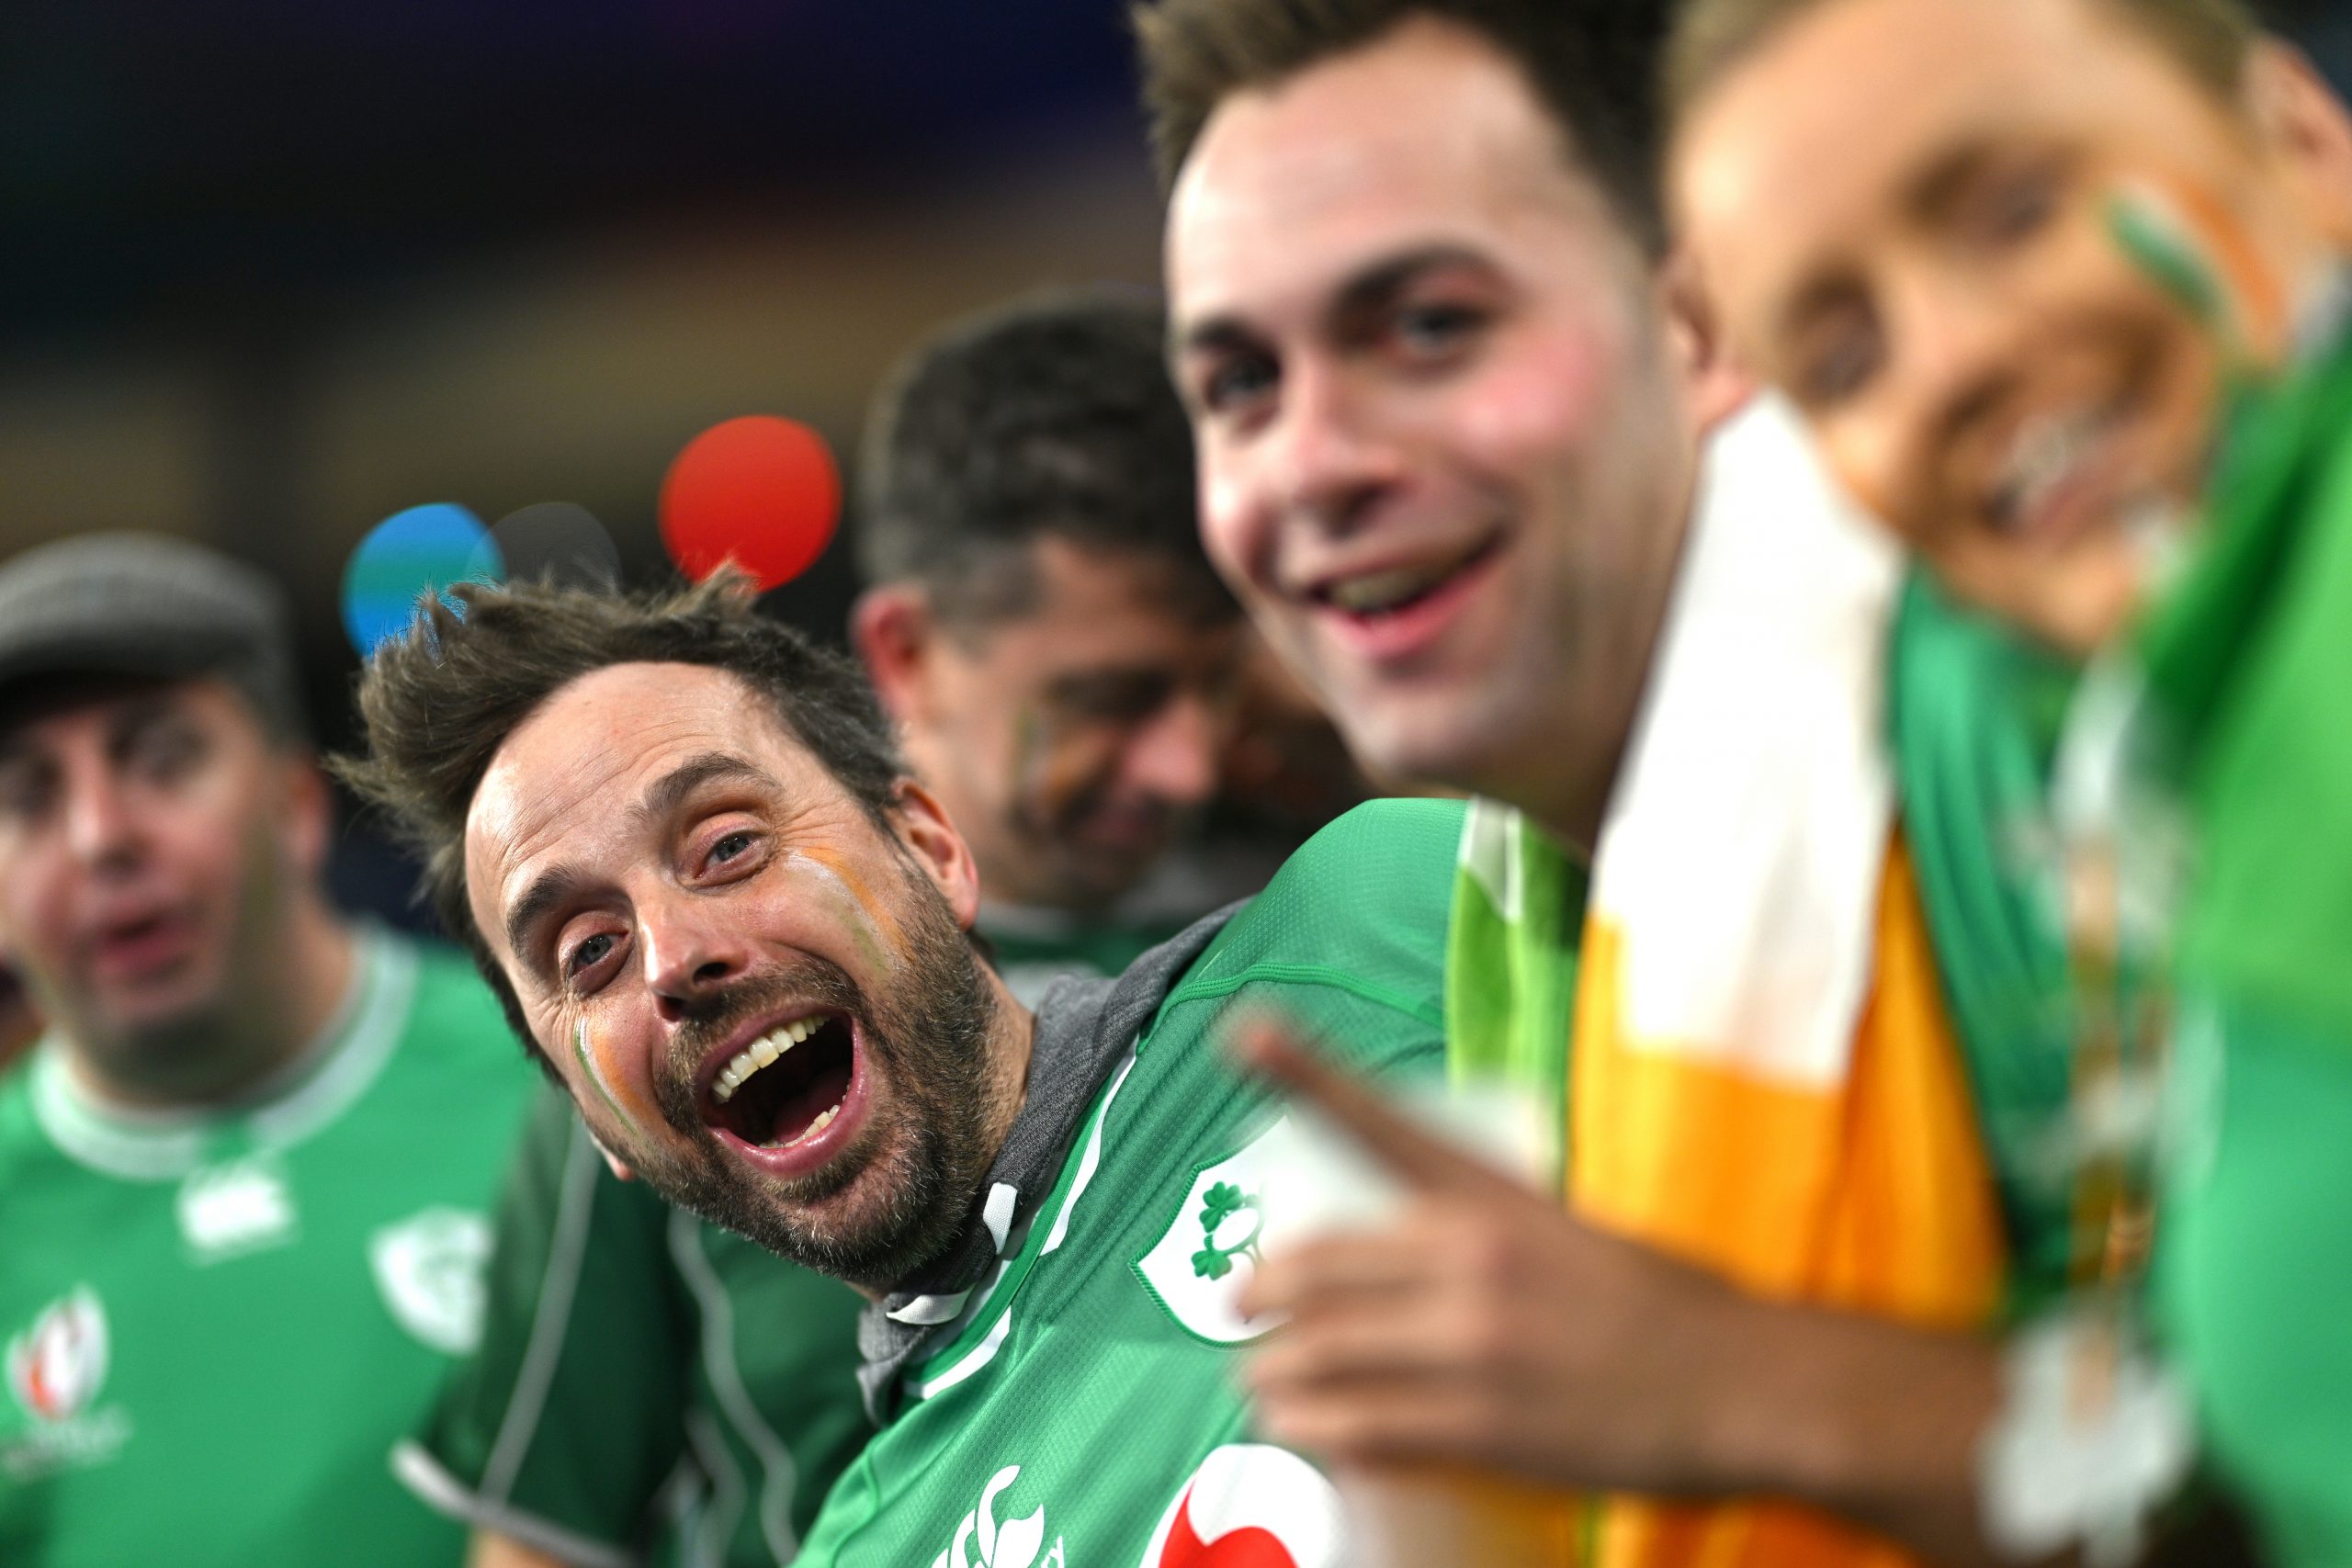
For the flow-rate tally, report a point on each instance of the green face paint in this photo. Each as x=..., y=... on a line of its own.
x=2156, y=241
x=596, y=1076
x=850, y=912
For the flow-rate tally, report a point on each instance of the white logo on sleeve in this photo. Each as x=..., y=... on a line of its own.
x=430, y=1269
x=1013, y=1544
x=1250, y=1506
x=1209, y=1251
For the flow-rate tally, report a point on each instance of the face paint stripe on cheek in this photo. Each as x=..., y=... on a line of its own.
x=866, y=920
x=594, y=1067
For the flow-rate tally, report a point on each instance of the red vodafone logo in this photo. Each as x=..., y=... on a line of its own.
x=1250, y=1506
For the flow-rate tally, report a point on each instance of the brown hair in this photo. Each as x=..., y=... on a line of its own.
x=439, y=701
x=1592, y=65
x=2210, y=38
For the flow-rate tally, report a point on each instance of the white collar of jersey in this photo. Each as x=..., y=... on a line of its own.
x=300, y=1099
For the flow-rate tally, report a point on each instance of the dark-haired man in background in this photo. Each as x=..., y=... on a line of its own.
x=244, y=1180
x=1060, y=657
x=1060, y=660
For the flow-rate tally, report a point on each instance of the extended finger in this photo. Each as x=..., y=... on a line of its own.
x=1271, y=1050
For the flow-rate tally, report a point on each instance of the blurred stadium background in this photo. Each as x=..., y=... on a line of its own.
x=271, y=270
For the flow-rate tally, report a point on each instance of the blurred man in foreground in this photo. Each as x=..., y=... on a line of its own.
x=1471, y=474
x=243, y=1179
x=1058, y=656
x=684, y=849
x=2055, y=237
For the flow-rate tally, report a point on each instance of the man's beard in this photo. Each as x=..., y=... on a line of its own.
x=928, y=1035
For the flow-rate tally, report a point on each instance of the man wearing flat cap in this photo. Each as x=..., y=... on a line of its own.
x=244, y=1176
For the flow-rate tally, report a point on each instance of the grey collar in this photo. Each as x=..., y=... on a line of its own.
x=1084, y=1027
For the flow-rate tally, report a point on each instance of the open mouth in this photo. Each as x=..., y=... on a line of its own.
x=788, y=1087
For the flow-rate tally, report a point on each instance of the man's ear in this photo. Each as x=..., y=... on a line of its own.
x=307, y=820
x=2307, y=128
x=935, y=845
x=1714, y=388
x=892, y=628
x=613, y=1162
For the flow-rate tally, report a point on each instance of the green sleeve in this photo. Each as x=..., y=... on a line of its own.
x=561, y=1429
x=2248, y=658
x=2254, y=1273
x=1349, y=940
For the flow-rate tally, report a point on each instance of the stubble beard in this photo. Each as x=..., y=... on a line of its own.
x=925, y=1149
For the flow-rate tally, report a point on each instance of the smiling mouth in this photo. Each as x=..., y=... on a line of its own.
x=1376, y=595
x=786, y=1087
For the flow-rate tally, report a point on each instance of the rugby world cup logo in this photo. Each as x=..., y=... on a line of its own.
x=56, y=1366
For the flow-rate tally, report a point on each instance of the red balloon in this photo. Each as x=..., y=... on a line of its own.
x=759, y=491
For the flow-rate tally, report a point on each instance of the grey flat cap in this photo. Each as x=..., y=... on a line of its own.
x=146, y=604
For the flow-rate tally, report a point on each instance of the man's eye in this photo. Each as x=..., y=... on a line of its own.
x=1431, y=330
x=2016, y=207
x=166, y=754
x=730, y=847
x=588, y=955
x=24, y=795
x=1237, y=381
x=1837, y=371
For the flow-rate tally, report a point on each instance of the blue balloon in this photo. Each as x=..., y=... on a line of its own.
x=423, y=549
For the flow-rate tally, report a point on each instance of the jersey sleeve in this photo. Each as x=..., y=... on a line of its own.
x=561, y=1430
x=1349, y=940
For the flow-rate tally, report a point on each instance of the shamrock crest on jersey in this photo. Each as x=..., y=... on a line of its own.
x=56, y=1366
x=1013, y=1544
x=1210, y=1246
x=1226, y=1201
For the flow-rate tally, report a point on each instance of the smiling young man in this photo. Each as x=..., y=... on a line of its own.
x=2071, y=309
x=688, y=856
x=243, y=1179
x=1473, y=466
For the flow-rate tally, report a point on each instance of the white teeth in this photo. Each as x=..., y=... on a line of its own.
x=1379, y=590
x=819, y=1125
x=2042, y=457
x=764, y=1052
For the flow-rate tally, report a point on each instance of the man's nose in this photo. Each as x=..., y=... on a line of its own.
x=1325, y=459
x=1173, y=758
x=101, y=828
x=691, y=951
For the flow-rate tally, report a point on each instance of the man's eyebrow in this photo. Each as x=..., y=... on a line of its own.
x=537, y=901
x=1372, y=287
x=1368, y=289
x=673, y=788
x=1931, y=194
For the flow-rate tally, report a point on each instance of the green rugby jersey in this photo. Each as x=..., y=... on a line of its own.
x=648, y=1387
x=623, y=1407
x=216, y=1326
x=1083, y=1413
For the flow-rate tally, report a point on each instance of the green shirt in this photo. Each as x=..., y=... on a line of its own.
x=2247, y=663
x=1085, y=1411
x=620, y=1410
x=649, y=1386
x=216, y=1326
